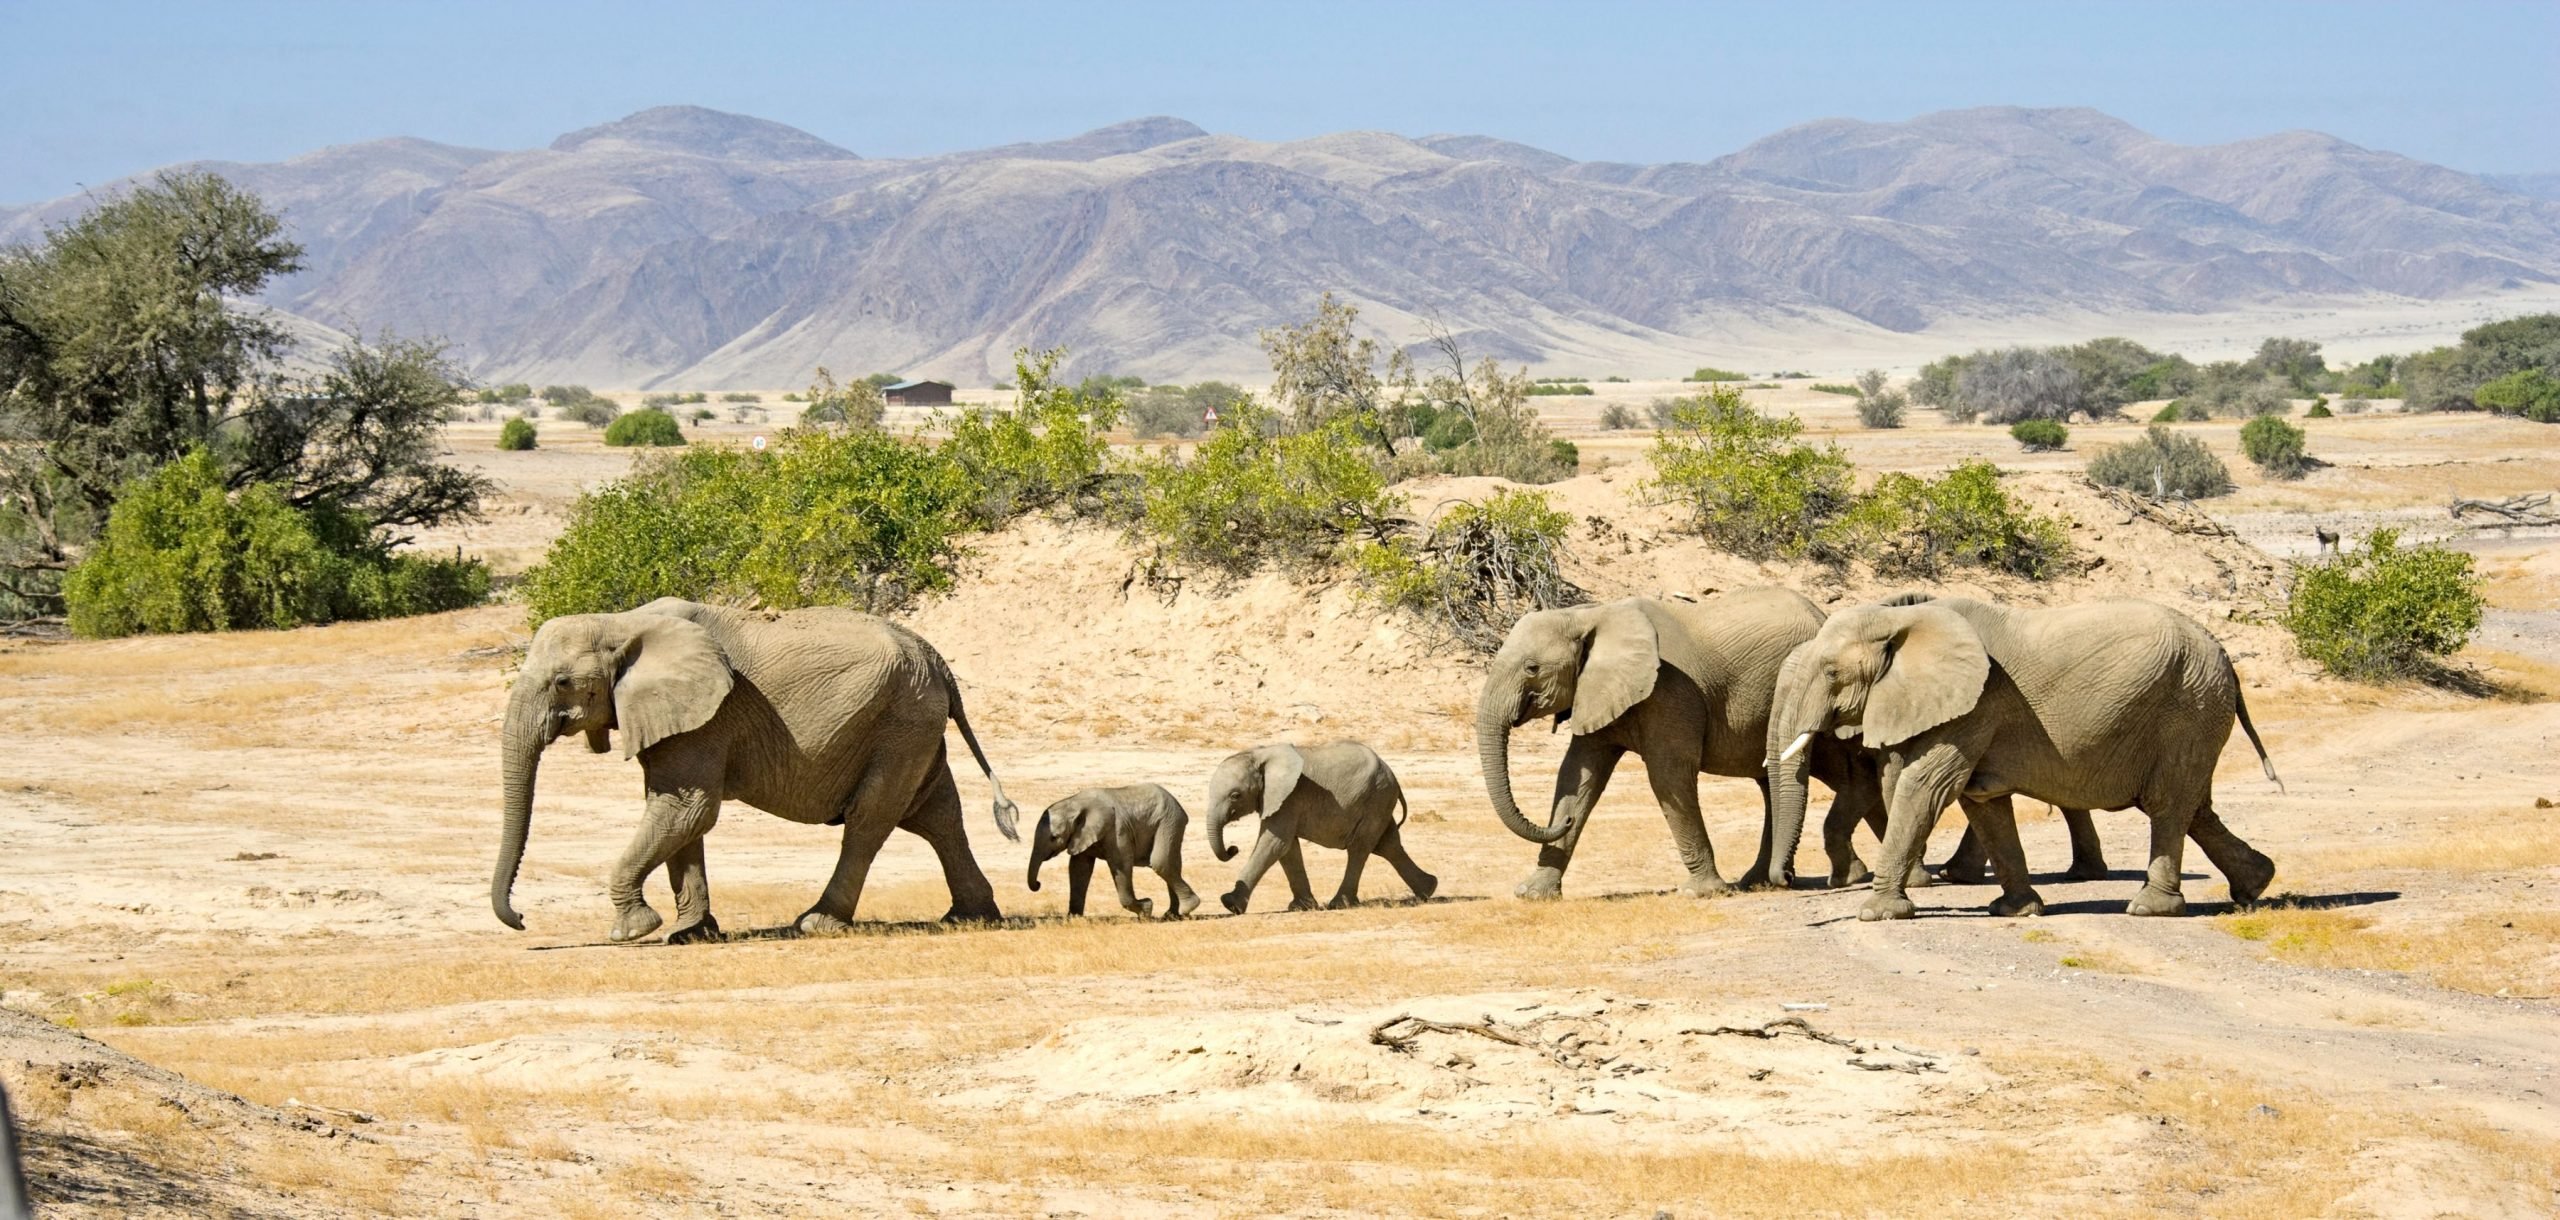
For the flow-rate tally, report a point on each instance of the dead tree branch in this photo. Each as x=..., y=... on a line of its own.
x=2514, y=510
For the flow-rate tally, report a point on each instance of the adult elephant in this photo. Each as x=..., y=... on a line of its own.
x=823, y=716
x=2109, y=705
x=1684, y=684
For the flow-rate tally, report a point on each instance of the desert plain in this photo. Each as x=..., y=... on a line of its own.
x=250, y=968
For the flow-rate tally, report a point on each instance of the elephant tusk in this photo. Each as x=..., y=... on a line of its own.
x=1797, y=747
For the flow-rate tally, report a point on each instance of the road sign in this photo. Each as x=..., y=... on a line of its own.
x=759, y=444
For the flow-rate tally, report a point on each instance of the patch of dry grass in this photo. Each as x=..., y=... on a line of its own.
x=2511, y=955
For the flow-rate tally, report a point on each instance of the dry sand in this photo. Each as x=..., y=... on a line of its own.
x=259, y=862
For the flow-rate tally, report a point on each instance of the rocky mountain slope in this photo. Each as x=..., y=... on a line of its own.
x=682, y=246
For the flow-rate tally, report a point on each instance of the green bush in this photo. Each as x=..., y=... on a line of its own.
x=701, y=415
x=2275, y=446
x=1245, y=498
x=1715, y=374
x=593, y=412
x=2039, y=435
x=2354, y=406
x=648, y=426
x=1909, y=526
x=1618, y=417
x=2171, y=412
x=1045, y=453
x=2531, y=393
x=1748, y=484
x=1480, y=568
x=2319, y=410
x=742, y=396
x=1833, y=387
x=181, y=552
x=516, y=434
x=855, y=404
x=1883, y=409
x=2383, y=611
x=2162, y=463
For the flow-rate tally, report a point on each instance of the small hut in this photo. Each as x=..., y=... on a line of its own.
x=917, y=394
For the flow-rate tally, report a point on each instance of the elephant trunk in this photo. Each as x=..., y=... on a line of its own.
x=520, y=755
x=1219, y=814
x=1494, y=716
x=1791, y=746
x=1043, y=845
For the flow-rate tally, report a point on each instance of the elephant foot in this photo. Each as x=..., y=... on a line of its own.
x=1855, y=872
x=2093, y=870
x=974, y=914
x=1425, y=888
x=2010, y=906
x=635, y=923
x=1887, y=906
x=1183, y=909
x=1302, y=904
x=1708, y=886
x=1234, y=900
x=2252, y=878
x=820, y=923
x=1918, y=878
x=1962, y=870
x=1342, y=902
x=2153, y=902
x=1544, y=885
x=1144, y=908
x=705, y=933
x=1756, y=878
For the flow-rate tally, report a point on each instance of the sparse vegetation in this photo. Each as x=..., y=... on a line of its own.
x=2531, y=393
x=1879, y=406
x=1748, y=484
x=672, y=399
x=509, y=394
x=1619, y=417
x=1175, y=410
x=592, y=411
x=2163, y=463
x=1550, y=389
x=857, y=405
x=1479, y=568
x=2039, y=435
x=1915, y=527
x=647, y=426
x=516, y=434
x=1711, y=373
x=1833, y=387
x=2319, y=410
x=1251, y=495
x=742, y=396
x=2275, y=446
x=1046, y=453
x=2383, y=611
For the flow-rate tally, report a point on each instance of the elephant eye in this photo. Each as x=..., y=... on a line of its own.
x=562, y=681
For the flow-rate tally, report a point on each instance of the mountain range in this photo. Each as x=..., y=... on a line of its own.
x=684, y=247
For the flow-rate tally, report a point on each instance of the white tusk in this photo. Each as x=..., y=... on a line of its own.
x=1797, y=748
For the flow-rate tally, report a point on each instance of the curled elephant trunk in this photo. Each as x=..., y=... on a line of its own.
x=520, y=755
x=1218, y=818
x=1493, y=747
x=1043, y=846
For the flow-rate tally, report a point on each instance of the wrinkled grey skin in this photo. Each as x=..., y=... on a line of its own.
x=1683, y=684
x=1339, y=794
x=820, y=716
x=1970, y=863
x=2109, y=705
x=1124, y=828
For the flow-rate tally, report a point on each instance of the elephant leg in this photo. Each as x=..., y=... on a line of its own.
x=1849, y=806
x=2088, y=856
x=936, y=819
x=1917, y=792
x=1970, y=863
x=1355, y=856
x=683, y=805
x=1079, y=879
x=1580, y=779
x=1124, y=879
x=884, y=797
x=1675, y=788
x=2247, y=869
x=2161, y=893
x=1267, y=848
x=1293, y=865
x=1757, y=875
x=1996, y=824
x=1391, y=849
x=1167, y=861
x=691, y=880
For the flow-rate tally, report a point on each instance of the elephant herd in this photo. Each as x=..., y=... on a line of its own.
x=829, y=716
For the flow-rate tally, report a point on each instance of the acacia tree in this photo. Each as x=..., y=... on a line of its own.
x=1321, y=371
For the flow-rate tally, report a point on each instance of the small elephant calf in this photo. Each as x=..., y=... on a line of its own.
x=1340, y=794
x=1124, y=827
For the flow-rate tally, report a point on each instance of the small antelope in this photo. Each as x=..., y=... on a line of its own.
x=2328, y=540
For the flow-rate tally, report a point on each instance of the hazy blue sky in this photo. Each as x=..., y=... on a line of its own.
x=92, y=91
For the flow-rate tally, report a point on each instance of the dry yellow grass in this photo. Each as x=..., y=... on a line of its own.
x=2517, y=954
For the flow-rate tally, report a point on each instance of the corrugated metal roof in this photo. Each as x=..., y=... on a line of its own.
x=909, y=385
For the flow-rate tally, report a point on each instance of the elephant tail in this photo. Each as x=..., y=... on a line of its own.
x=2240, y=704
x=1404, y=812
x=1006, y=812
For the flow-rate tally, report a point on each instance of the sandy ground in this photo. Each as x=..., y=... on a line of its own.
x=253, y=869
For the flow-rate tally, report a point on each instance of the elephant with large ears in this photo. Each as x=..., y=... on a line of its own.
x=1684, y=684
x=2109, y=705
x=1124, y=828
x=1340, y=794
x=823, y=716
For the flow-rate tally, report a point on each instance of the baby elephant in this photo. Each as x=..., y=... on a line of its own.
x=1336, y=795
x=1125, y=827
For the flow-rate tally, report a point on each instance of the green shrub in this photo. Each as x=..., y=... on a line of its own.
x=593, y=412
x=1549, y=389
x=1444, y=430
x=1565, y=457
x=2162, y=463
x=649, y=426
x=701, y=415
x=2319, y=410
x=1479, y=569
x=2531, y=393
x=2171, y=412
x=1747, y=483
x=1883, y=409
x=742, y=396
x=794, y=395
x=1613, y=377
x=563, y=395
x=1833, y=387
x=1046, y=453
x=855, y=404
x=2354, y=406
x=1175, y=410
x=2275, y=446
x=1715, y=374
x=2039, y=435
x=1909, y=526
x=821, y=518
x=181, y=552
x=1618, y=417
x=1246, y=497
x=2383, y=611
x=516, y=434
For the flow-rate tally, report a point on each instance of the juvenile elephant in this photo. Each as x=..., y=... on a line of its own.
x=822, y=716
x=1339, y=794
x=2102, y=706
x=1685, y=685
x=1124, y=827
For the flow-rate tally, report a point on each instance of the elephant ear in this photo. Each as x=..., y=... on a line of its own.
x=1281, y=768
x=1083, y=830
x=673, y=679
x=1620, y=658
x=1935, y=667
